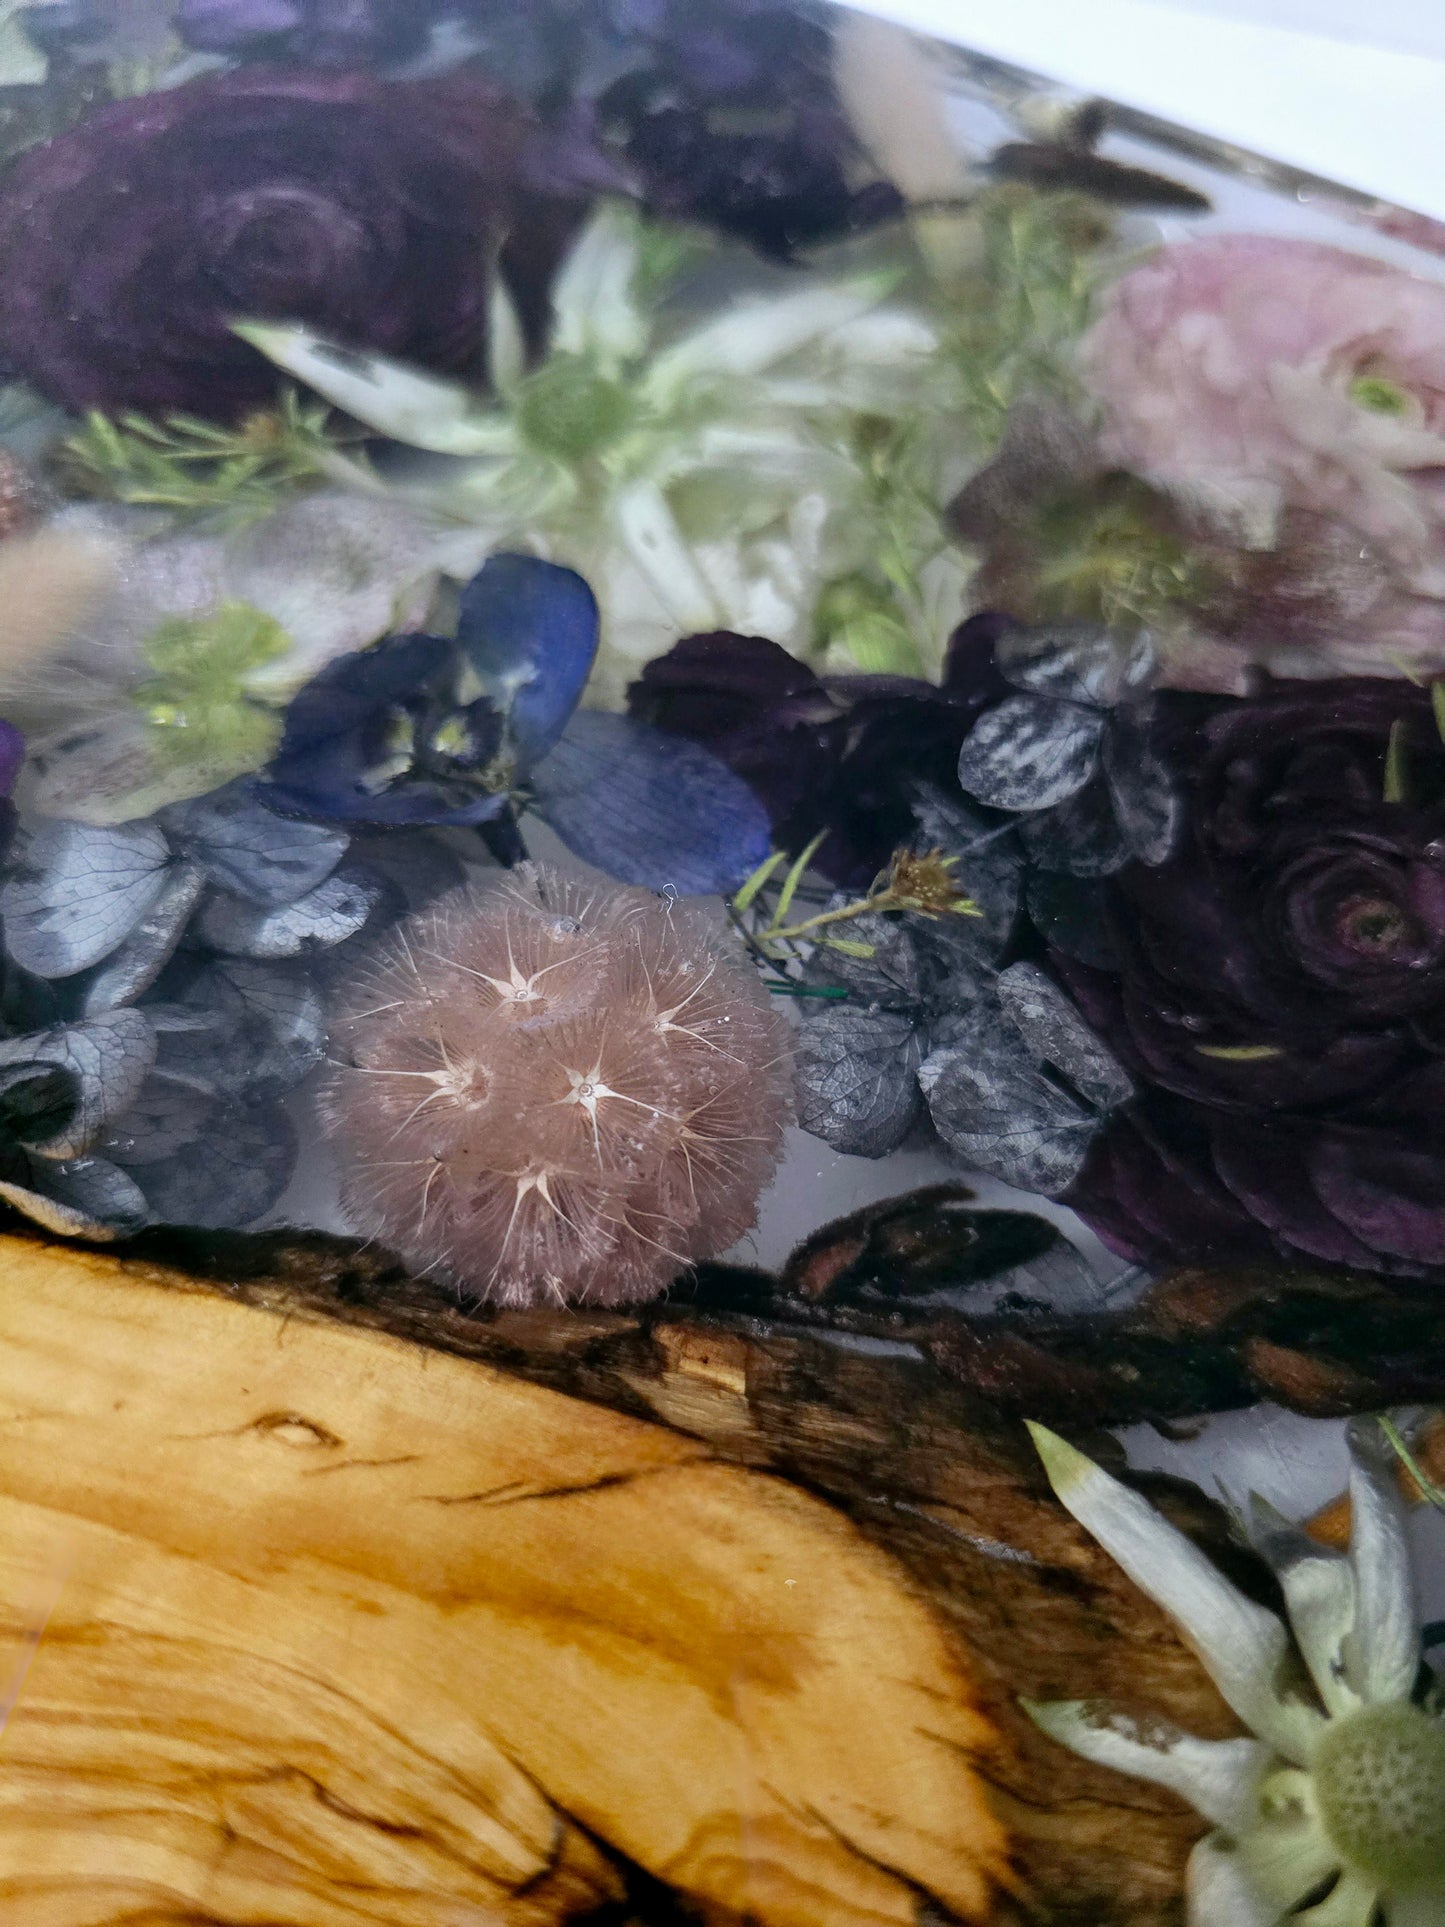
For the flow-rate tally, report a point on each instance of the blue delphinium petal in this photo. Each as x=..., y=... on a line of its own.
x=356, y=745
x=529, y=630
x=12, y=755
x=649, y=808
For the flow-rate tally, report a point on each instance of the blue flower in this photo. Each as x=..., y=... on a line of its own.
x=474, y=729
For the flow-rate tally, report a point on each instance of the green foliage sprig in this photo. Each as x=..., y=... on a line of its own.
x=1031, y=297
x=763, y=909
x=199, y=468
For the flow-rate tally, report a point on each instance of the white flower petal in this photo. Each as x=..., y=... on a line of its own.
x=754, y=335
x=506, y=343
x=442, y=416
x=1288, y=1856
x=1384, y=1645
x=1351, y=1904
x=652, y=538
x=1319, y=1589
x=892, y=90
x=21, y=62
x=1245, y=1648
x=1217, y=1889
x=592, y=297
x=892, y=336
x=1217, y=1777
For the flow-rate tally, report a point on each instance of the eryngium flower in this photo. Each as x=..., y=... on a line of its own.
x=554, y=1091
x=1284, y=971
x=1335, y=1811
x=370, y=209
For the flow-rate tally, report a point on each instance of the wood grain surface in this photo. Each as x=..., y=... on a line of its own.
x=362, y=1610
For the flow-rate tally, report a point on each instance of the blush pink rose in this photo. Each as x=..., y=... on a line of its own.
x=1261, y=376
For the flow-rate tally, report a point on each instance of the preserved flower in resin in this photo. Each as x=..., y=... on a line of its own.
x=1333, y=1810
x=1259, y=376
x=368, y=208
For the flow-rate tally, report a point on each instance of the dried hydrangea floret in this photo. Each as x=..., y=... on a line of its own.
x=1334, y=1813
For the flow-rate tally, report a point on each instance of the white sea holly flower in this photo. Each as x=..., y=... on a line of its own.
x=1333, y=1814
x=668, y=471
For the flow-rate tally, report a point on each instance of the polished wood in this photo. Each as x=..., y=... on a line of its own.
x=347, y=1608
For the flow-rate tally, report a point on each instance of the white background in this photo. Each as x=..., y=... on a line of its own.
x=1353, y=90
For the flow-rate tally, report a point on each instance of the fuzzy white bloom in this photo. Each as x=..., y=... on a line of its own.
x=1334, y=1813
x=715, y=479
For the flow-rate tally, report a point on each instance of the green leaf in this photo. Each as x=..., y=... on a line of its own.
x=1240, y=1053
x=795, y=877
x=759, y=877
x=850, y=946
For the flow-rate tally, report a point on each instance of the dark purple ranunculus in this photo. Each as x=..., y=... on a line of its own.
x=1170, y=1182
x=371, y=210
x=731, y=117
x=836, y=754
x=1282, y=979
x=12, y=755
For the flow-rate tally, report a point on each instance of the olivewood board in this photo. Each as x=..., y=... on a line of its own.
x=342, y=1607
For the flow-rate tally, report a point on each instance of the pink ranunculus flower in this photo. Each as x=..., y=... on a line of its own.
x=1237, y=368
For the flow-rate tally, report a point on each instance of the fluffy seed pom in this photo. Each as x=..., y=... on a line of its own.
x=555, y=1091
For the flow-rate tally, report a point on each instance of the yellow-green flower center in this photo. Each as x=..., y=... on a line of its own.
x=568, y=410
x=1380, y=1779
x=1380, y=396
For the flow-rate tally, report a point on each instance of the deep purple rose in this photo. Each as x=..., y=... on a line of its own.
x=839, y=754
x=369, y=209
x=1284, y=975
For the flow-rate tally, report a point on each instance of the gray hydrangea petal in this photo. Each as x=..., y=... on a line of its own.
x=129, y=972
x=87, y=1198
x=990, y=859
x=1080, y=838
x=1070, y=662
x=890, y=979
x=163, y=1120
x=108, y=1060
x=420, y=866
x=246, y=848
x=1068, y=916
x=328, y=915
x=1029, y=753
x=36, y=1101
x=76, y=891
x=263, y=1030
x=1077, y=663
x=229, y=1175
x=997, y=1112
x=1147, y=807
x=857, y=1079
x=1054, y=1033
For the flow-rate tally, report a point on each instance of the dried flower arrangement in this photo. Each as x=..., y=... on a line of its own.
x=671, y=429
